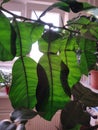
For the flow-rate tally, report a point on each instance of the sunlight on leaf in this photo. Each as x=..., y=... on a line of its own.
x=27, y=34
x=24, y=82
x=52, y=67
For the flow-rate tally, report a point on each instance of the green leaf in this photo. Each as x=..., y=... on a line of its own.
x=82, y=20
x=60, y=5
x=72, y=115
x=50, y=89
x=27, y=34
x=80, y=6
x=88, y=58
x=24, y=81
x=94, y=30
x=7, y=42
x=50, y=42
x=87, y=6
x=85, y=95
x=68, y=55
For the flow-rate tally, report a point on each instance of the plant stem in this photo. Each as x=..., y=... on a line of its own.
x=37, y=21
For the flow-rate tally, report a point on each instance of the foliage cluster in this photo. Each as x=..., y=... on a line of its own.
x=67, y=54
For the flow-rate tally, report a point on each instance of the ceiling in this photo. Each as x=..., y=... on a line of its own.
x=35, y=1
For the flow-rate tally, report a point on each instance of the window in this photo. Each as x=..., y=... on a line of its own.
x=50, y=17
x=14, y=12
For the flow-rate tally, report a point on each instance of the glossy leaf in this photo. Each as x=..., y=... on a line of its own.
x=7, y=39
x=27, y=34
x=23, y=89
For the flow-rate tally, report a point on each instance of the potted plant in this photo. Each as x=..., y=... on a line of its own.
x=5, y=80
x=45, y=85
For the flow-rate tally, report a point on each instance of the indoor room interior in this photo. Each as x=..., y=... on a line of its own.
x=27, y=8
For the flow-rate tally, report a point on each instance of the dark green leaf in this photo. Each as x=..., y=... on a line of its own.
x=7, y=45
x=24, y=81
x=72, y=115
x=78, y=6
x=85, y=95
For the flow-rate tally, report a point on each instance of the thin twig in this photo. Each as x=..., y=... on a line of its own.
x=37, y=21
